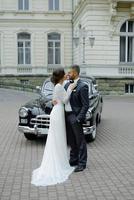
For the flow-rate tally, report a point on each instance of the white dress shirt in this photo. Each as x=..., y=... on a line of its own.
x=68, y=105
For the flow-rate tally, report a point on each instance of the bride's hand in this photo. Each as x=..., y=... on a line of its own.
x=66, y=77
x=72, y=86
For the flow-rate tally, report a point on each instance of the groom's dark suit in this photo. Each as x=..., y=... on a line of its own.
x=79, y=102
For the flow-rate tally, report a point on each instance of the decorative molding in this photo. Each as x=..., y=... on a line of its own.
x=112, y=28
x=113, y=8
x=12, y=14
x=20, y=30
x=113, y=14
x=132, y=9
x=52, y=30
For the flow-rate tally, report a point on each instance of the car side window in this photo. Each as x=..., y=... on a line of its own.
x=89, y=86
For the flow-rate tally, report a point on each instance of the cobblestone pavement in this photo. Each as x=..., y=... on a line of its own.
x=110, y=169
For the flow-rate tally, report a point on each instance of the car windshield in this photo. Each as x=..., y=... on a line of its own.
x=47, y=89
x=48, y=86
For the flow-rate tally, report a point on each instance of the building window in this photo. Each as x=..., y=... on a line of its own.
x=53, y=4
x=24, y=82
x=129, y=88
x=54, y=48
x=23, y=4
x=127, y=42
x=24, y=49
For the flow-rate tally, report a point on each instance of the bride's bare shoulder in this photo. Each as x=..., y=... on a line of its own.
x=58, y=87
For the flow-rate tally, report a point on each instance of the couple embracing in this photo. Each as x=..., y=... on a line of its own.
x=71, y=104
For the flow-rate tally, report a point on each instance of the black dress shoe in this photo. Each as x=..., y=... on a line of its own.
x=79, y=168
x=73, y=163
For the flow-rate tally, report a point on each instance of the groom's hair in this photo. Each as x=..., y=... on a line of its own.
x=76, y=68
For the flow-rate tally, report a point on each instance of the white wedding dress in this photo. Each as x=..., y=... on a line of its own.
x=55, y=166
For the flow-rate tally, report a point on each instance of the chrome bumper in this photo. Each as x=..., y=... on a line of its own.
x=88, y=130
x=44, y=131
x=35, y=130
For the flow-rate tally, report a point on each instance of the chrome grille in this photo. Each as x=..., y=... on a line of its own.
x=41, y=121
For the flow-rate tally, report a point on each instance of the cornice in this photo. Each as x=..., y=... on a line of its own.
x=17, y=12
x=37, y=16
x=39, y=21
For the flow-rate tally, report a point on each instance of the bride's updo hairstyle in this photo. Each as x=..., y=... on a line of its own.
x=57, y=75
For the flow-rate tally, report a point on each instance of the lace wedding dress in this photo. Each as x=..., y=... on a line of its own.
x=55, y=166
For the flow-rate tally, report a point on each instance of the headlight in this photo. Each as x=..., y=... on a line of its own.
x=89, y=114
x=23, y=112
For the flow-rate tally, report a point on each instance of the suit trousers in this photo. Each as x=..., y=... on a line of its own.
x=76, y=139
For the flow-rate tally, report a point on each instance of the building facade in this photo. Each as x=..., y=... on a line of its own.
x=105, y=30
x=37, y=36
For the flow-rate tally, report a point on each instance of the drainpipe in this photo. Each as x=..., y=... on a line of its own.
x=72, y=32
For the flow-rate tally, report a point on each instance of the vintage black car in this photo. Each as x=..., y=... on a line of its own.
x=34, y=116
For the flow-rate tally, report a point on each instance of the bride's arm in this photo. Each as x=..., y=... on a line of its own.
x=62, y=94
x=66, y=95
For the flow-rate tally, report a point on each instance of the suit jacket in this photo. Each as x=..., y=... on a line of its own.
x=79, y=100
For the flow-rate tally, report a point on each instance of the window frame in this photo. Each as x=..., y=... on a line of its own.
x=23, y=5
x=53, y=5
x=126, y=35
x=24, y=47
x=128, y=87
x=54, y=41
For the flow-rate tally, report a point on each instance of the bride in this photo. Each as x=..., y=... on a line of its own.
x=55, y=166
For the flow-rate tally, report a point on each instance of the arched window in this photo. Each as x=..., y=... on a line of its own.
x=24, y=49
x=54, y=48
x=127, y=42
x=53, y=4
x=23, y=4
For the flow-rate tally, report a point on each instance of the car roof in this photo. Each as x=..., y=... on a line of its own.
x=89, y=78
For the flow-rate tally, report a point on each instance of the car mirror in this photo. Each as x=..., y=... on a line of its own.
x=38, y=89
x=91, y=97
x=96, y=86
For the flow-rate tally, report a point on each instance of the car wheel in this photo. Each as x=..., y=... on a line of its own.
x=30, y=136
x=99, y=121
x=91, y=137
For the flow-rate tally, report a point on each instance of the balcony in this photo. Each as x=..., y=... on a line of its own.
x=120, y=70
x=125, y=1
x=23, y=70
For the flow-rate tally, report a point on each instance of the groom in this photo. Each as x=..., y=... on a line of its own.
x=75, y=112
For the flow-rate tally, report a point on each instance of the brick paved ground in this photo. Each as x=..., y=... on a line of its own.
x=110, y=170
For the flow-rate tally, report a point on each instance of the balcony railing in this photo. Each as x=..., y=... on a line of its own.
x=94, y=70
x=120, y=70
x=23, y=70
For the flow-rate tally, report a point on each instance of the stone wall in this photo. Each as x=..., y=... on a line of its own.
x=107, y=86
x=28, y=83
x=113, y=86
